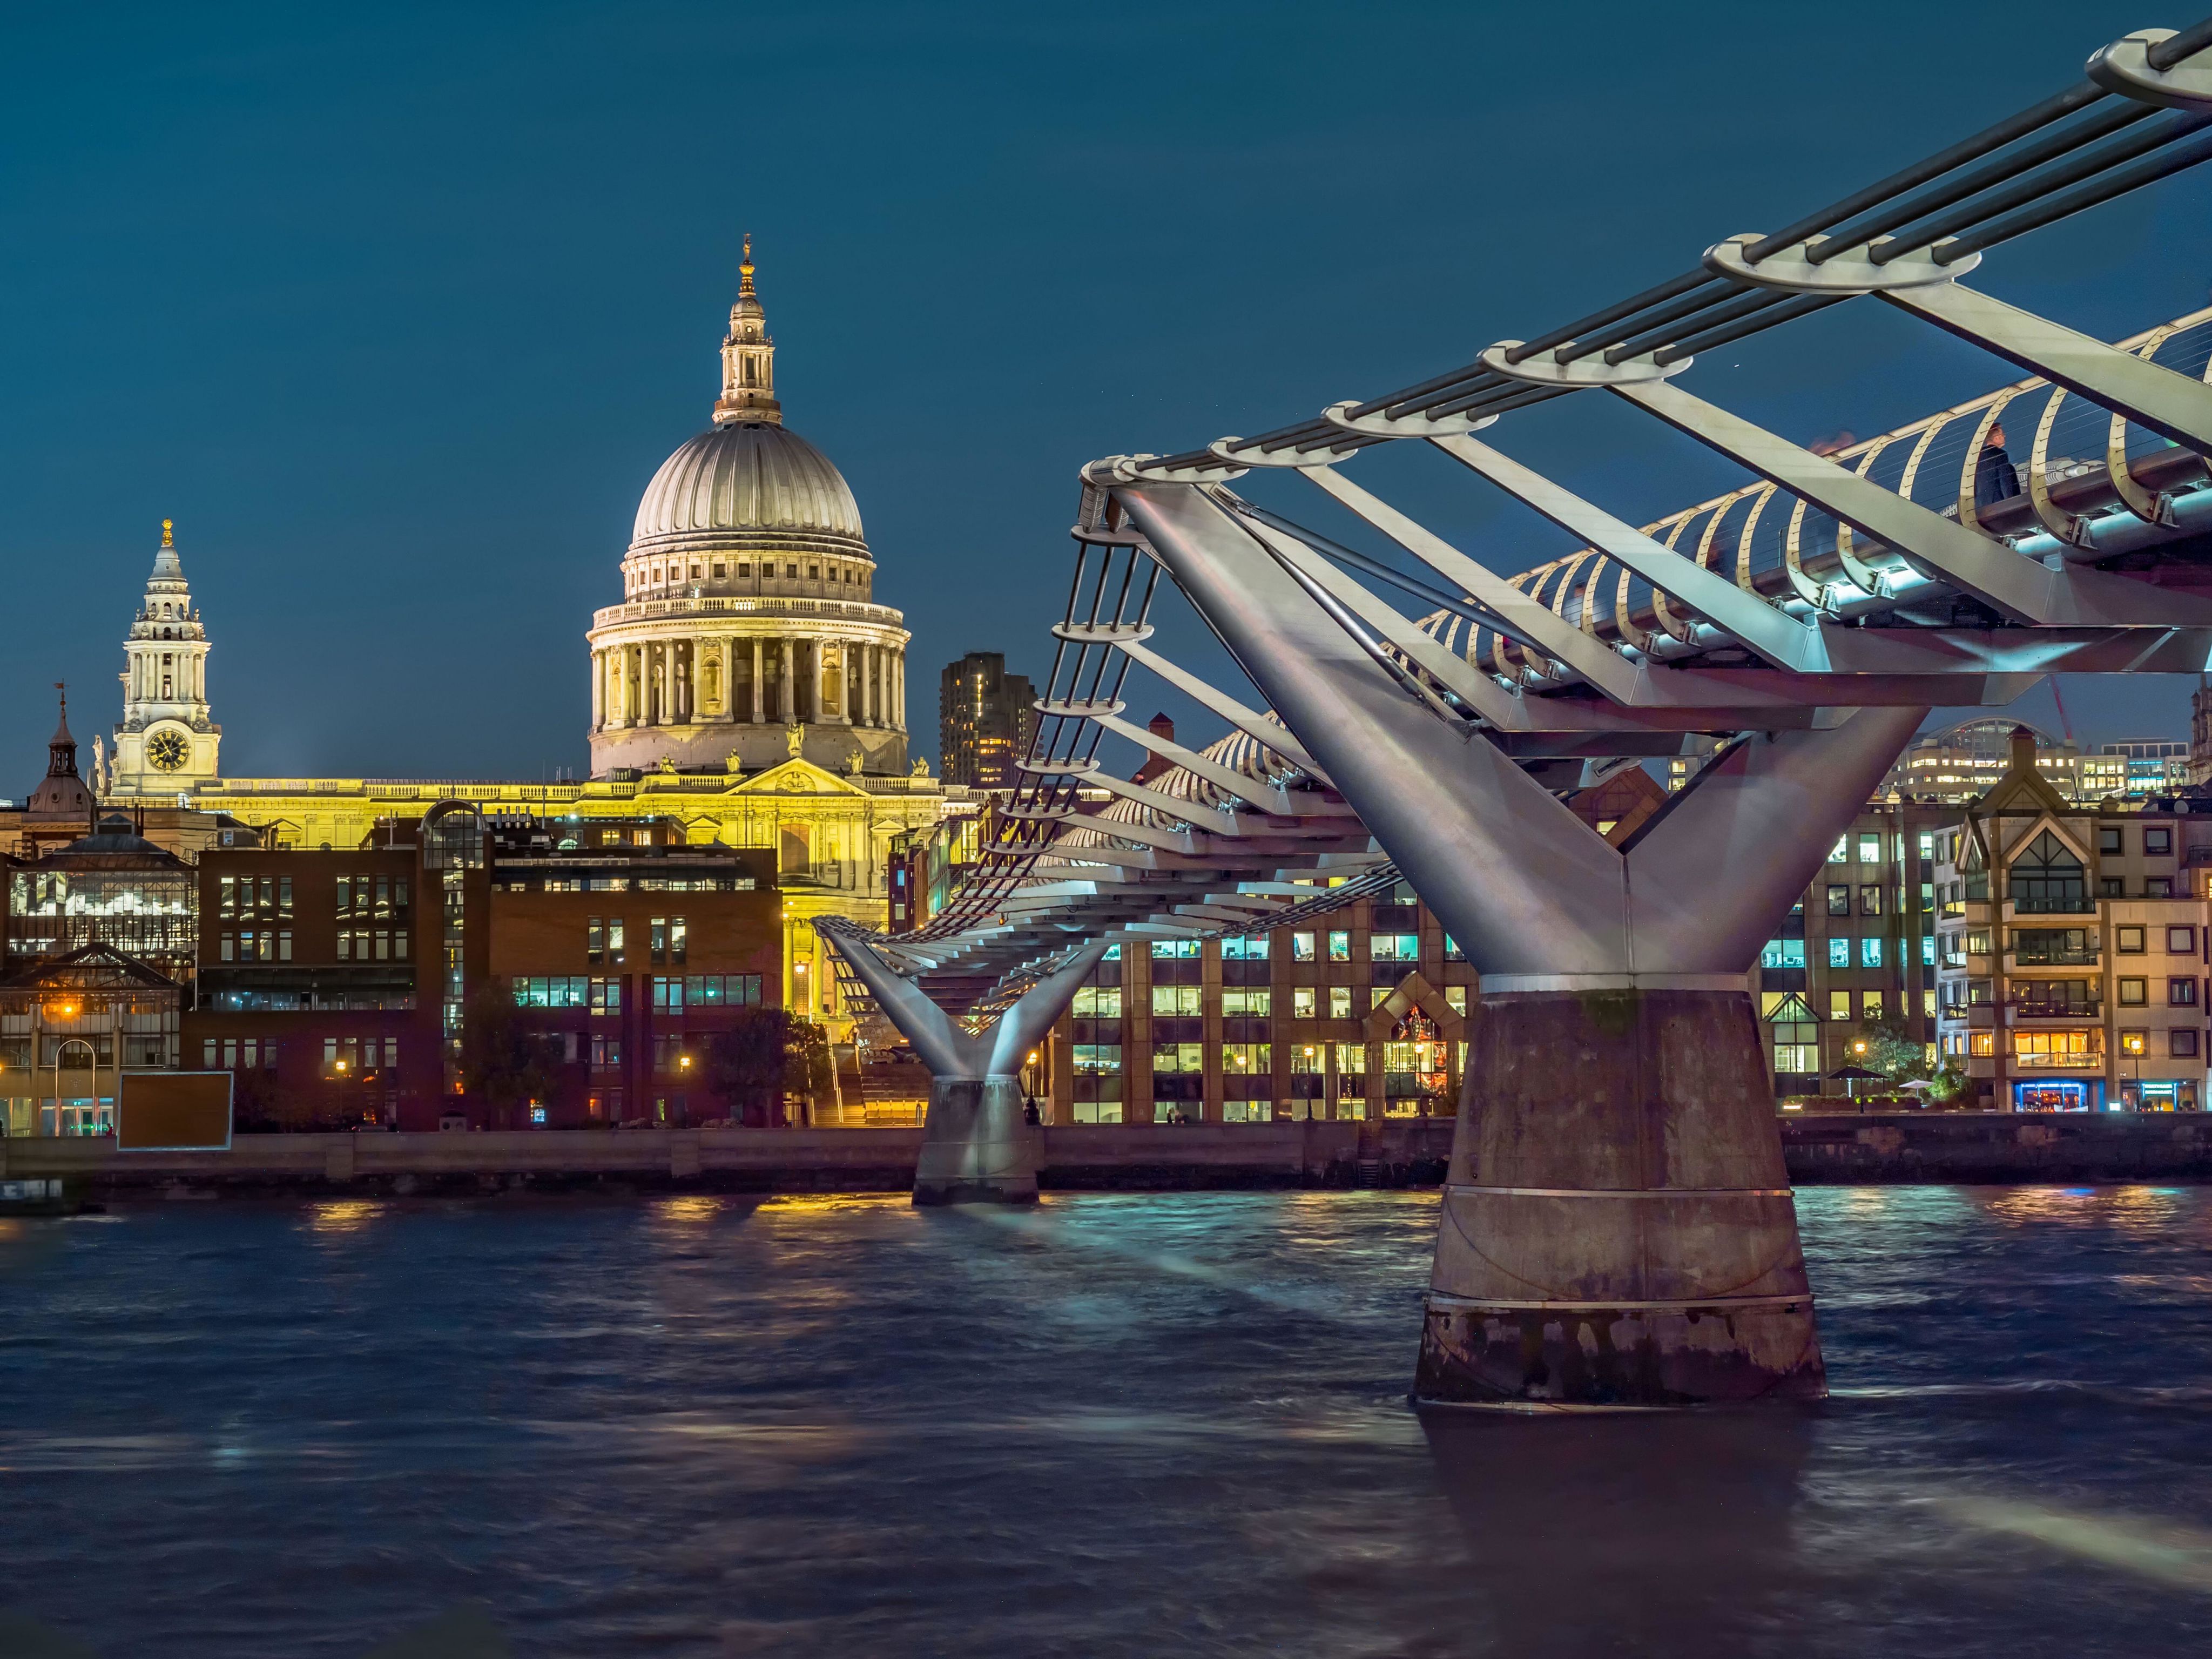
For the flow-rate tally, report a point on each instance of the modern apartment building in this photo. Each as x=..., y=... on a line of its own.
x=2071, y=947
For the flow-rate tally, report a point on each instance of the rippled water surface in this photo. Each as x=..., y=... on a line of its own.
x=1118, y=1424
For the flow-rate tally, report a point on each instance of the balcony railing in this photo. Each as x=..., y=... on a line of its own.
x=2060, y=1008
x=2084, y=1060
x=2056, y=958
x=2047, y=904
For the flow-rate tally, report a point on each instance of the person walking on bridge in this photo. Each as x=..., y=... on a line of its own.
x=1995, y=478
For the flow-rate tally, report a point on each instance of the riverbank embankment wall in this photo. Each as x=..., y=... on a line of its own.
x=1886, y=1148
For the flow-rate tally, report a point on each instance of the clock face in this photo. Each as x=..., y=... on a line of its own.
x=168, y=750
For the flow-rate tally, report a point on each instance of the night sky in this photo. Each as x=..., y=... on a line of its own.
x=395, y=310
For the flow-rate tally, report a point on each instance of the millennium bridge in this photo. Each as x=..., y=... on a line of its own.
x=1617, y=1230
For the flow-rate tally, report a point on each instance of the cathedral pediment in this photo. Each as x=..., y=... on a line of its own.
x=797, y=777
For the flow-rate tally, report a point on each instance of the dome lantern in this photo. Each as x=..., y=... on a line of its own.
x=748, y=357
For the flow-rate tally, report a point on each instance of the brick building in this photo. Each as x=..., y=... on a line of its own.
x=337, y=984
x=631, y=949
x=318, y=976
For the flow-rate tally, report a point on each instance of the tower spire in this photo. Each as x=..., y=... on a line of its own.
x=61, y=747
x=748, y=357
x=165, y=738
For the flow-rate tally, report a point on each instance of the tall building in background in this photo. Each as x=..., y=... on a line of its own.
x=984, y=718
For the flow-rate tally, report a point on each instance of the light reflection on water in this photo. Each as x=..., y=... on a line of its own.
x=1113, y=1424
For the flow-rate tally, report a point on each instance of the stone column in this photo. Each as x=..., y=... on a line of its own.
x=598, y=688
x=898, y=690
x=790, y=681
x=758, y=715
x=868, y=654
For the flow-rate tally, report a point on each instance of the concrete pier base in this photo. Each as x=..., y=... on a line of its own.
x=1618, y=1231
x=976, y=1146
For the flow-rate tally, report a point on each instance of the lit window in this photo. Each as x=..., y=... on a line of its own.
x=1302, y=1002
x=1340, y=1002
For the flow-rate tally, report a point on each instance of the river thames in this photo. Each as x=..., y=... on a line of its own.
x=1115, y=1424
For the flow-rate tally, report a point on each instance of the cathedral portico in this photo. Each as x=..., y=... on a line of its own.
x=747, y=613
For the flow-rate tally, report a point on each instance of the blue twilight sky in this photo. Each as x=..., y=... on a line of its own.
x=396, y=309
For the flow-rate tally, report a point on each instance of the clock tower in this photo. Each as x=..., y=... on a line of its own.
x=166, y=740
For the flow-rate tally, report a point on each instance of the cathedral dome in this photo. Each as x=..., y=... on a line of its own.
x=747, y=485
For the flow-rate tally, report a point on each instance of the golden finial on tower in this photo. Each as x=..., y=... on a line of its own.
x=168, y=532
x=746, y=267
